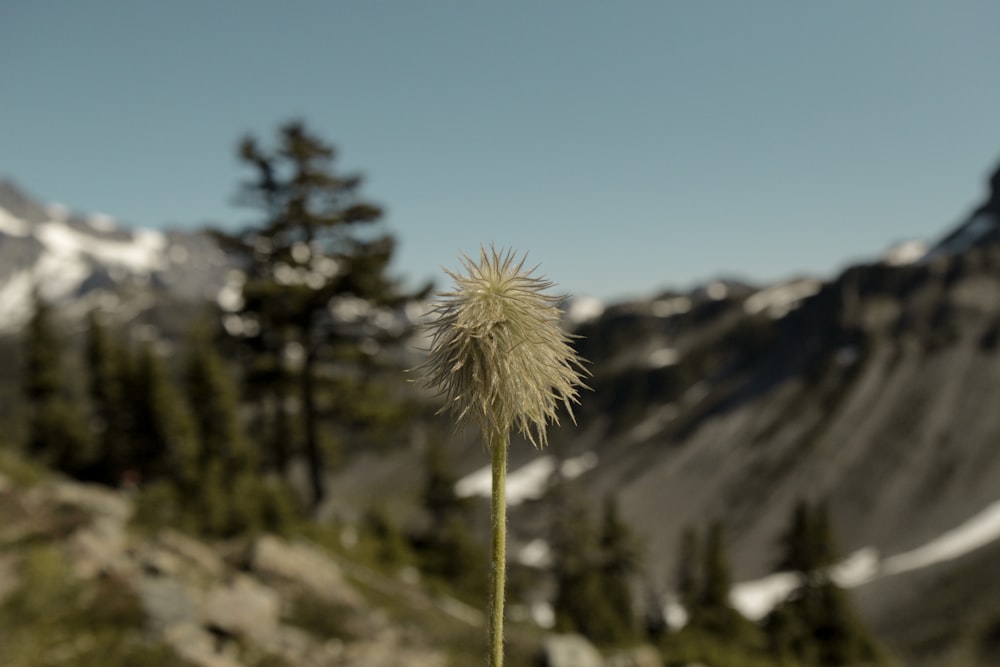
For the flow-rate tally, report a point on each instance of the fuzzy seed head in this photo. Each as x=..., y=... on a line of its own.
x=498, y=354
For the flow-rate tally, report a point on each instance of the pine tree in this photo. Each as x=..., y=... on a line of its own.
x=447, y=550
x=816, y=625
x=619, y=561
x=105, y=363
x=212, y=394
x=586, y=601
x=689, y=570
x=43, y=372
x=230, y=495
x=58, y=433
x=163, y=435
x=717, y=580
x=716, y=632
x=310, y=258
x=579, y=604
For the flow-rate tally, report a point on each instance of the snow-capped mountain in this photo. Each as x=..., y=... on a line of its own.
x=874, y=389
x=80, y=261
x=982, y=227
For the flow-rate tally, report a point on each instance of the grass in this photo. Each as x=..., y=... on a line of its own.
x=50, y=619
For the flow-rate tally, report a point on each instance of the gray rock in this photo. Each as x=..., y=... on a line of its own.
x=94, y=499
x=98, y=547
x=168, y=602
x=197, y=646
x=641, y=656
x=244, y=608
x=305, y=566
x=192, y=552
x=570, y=651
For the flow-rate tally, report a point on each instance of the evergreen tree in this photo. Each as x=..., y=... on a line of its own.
x=717, y=580
x=163, y=434
x=390, y=548
x=579, y=604
x=310, y=258
x=58, y=433
x=106, y=365
x=619, y=562
x=446, y=549
x=231, y=496
x=43, y=372
x=688, y=570
x=591, y=566
x=816, y=625
x=715, y=633
x=212, y=394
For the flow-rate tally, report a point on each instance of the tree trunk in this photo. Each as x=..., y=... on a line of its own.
x=314, y=454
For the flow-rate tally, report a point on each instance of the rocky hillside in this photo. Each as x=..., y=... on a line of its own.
x=874, y=390
x=81, y=583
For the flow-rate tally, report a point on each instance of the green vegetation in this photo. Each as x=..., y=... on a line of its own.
x=316, y=252
x=817, y=625
x=446, y=550
x=52, y=620
x=593, y=568
x=814, y=627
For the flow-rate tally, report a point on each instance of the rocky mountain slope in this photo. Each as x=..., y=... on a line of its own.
x=82, y=584
x=874, y=389
x=82, y=261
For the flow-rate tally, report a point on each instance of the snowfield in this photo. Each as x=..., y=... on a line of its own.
x=754, y=599
x=529, y=482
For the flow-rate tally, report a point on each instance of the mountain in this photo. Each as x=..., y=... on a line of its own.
x=874, y=390
x=79, y=261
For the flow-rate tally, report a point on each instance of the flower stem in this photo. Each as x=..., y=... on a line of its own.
x=498, y=448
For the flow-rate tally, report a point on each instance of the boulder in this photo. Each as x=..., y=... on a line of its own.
x=97, y=547
x=192, y=553
x=197, y=646
x=570, y=651
x=244, y=608
x=168, y=602
x=303, y=565
x=640, y=656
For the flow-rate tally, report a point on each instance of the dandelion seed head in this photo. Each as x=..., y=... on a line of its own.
x=498, y=355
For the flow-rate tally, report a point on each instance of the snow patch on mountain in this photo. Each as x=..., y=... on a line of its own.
x=778, y=300
x=13, y=226
x=583, y=309
x=529, y=482
x=143, y=253
x=102, y=222
x=980, y=530
x=756, y=598
x=907, y=252
x=15, y=300
x=677, y=305
x=66, y=258
x=664, y=356
x=535, y=553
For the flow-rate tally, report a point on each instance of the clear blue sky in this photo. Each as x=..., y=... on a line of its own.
x=628, y=146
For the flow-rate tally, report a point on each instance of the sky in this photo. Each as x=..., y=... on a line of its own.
x=626, y=147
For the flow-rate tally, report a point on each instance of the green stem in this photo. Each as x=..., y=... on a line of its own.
x=498, y=447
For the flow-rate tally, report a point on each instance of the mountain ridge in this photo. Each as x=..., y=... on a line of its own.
x=872, y=389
